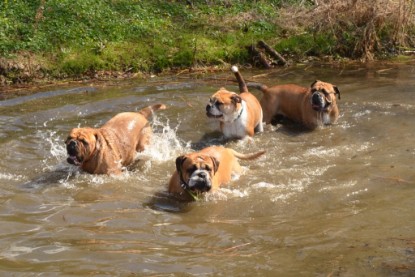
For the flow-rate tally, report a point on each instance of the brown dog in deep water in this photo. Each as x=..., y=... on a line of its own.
x=314, y=106
x=107, y=150
x=206, y=170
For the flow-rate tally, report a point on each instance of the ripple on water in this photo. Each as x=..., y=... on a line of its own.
x=11, y=177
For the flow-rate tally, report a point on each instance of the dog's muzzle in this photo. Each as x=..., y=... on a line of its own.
x=72, y=150
x=199, y=181
x=318, y=102
x=209, y=112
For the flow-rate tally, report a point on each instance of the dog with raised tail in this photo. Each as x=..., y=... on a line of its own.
x=240, y=115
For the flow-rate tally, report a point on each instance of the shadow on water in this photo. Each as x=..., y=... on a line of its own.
x=208, y=139
x=288, y=127
x=50, y=179
x=164, y=201
x=292, y=129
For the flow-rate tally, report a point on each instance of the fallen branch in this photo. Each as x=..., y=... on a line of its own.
x=272, y=52
x=258, y=56
x=396, y=179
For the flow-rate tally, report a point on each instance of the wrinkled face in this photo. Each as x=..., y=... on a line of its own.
x=223, y=103
x=196, y=171
x=323, y=96
x=80, y=144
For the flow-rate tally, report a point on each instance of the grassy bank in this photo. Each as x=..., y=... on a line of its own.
x=42, y=39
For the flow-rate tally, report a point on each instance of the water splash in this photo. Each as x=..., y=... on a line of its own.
x=322, y=152
x=263, y=185
x=165, y=144
x=223, y=194
x=10, y=177
x=362, y=113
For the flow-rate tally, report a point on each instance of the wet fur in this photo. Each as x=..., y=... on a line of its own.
x=241, y=113
x=223, y=162
x=294, y=102
x=107, y=150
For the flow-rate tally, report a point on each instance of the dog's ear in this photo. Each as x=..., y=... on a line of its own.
x=337, y=91
x=313, y=83
x=179, y=162
x=99, y=141
x=236, y=99
x=215, y=164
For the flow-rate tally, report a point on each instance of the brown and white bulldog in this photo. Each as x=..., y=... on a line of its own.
x=206, y=170
x=312, y=107
x=107, y=150
x=240, y=115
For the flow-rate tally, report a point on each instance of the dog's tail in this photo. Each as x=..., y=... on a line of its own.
x=257, y=86
x=250, y=156
x=241, y=81
x=147, y=111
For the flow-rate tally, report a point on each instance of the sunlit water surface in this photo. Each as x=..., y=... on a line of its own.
x=337, y=201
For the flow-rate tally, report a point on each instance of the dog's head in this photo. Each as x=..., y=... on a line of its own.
x=224, y=105
x=196, y=171
x=80, y=145
x=323, y=96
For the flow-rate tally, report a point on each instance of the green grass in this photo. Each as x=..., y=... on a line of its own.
x=306, y=44
x=71, y=38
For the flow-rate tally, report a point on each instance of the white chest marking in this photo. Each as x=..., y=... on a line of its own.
x=236, y=128
x=326, y=119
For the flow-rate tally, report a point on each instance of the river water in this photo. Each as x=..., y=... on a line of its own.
x=336, y=201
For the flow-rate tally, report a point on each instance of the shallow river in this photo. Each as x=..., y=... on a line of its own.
x=337, y=201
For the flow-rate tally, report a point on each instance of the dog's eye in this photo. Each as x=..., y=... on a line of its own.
x=217, y=104
x=325, y=92
x=208, y=168
x=84, y=141
x=191, y=169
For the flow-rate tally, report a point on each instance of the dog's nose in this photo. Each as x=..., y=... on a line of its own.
x=72, y=144
x=202, y=175
x=208, y=107
x=71, y=147
x=317, y=99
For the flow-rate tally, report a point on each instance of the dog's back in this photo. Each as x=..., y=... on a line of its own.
x=129, y=121
x=147, y=111
x=286, y=100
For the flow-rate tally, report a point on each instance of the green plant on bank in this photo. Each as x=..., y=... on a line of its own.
x=307, y=44
x=69, y=38
x=89, y=35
